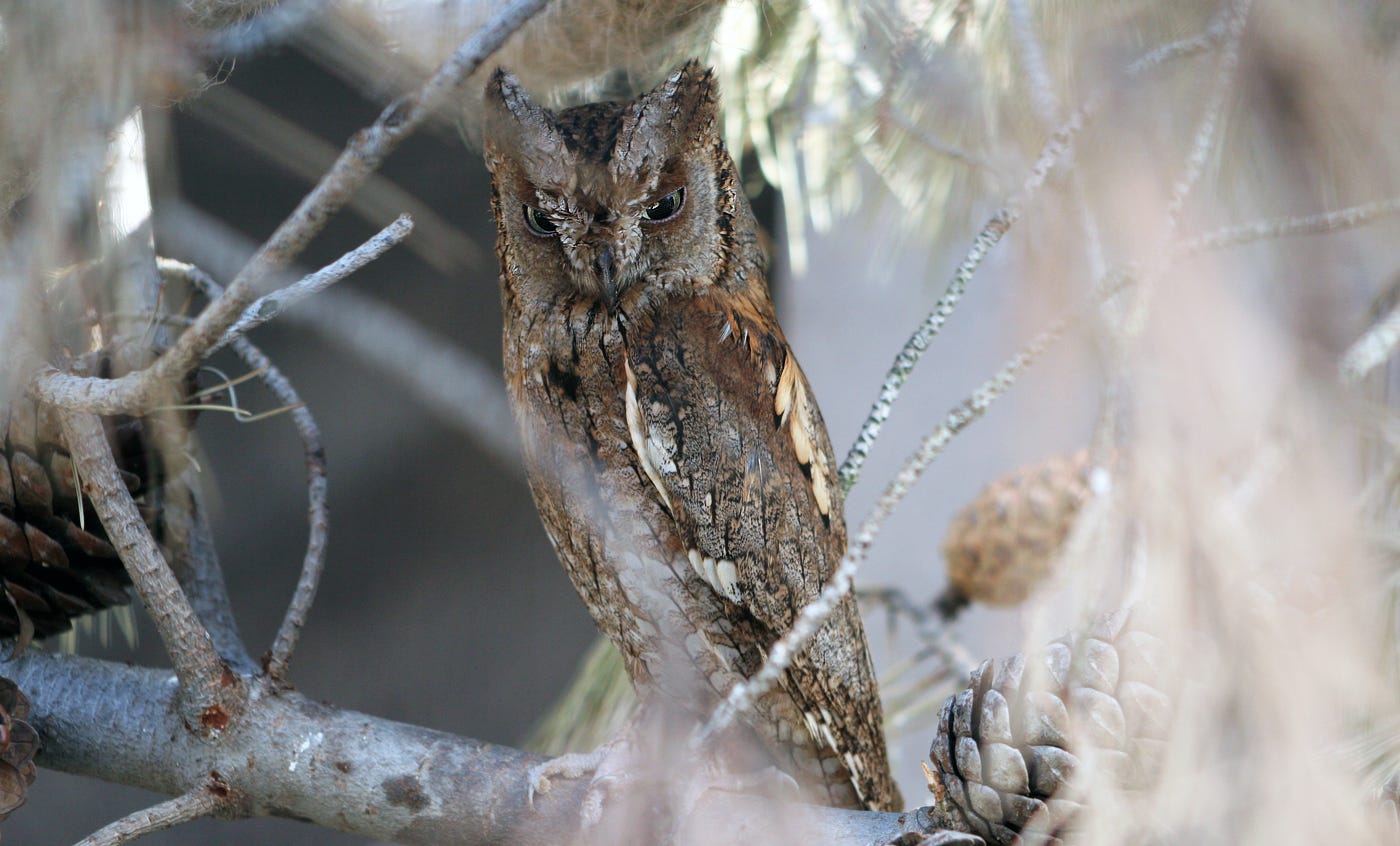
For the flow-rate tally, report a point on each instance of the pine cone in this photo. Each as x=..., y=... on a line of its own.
x=56, y=564
x=1003, y=544
x=1005, y=751
x=18, y=743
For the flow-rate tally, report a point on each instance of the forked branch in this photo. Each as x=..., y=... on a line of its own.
x=139, y=391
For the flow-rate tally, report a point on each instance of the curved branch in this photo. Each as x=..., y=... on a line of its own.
x=362, y=155
x=317, y=510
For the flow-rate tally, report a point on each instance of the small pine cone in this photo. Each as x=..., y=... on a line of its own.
x=1003, y=544
x=1006, y=746
x=55, y=562
x=18, y=743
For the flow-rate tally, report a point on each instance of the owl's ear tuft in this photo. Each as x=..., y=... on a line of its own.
x=514, y=126
x=684, y=108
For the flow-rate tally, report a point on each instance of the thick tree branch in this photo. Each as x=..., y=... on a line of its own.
x=369, y=147
x=293, y=757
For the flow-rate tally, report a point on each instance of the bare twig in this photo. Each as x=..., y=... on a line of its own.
x=211, y=694
x=199, y=802
x=1057, y=148
x=895, y=117
x=268, y=307
x=317, y=511
x=814, y=613
x=1204, y=139
x=1202, y=142
x=365, y=151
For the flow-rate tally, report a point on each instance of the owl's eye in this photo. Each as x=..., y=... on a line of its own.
x=539, y=223
x=666, y=207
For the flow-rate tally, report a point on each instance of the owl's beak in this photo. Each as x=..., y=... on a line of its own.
x=607, y=276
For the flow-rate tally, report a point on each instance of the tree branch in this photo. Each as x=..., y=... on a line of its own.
x=317, y=510
x=362, y=155
x=211, y=695
x=271, y=305
x=347, y=771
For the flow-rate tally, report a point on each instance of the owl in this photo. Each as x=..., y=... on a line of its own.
x=674, y=449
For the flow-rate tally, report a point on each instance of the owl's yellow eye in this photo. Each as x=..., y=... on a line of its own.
x=539, y=223
x=666, y=207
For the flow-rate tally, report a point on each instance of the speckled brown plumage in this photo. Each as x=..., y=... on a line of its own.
x=676, y=454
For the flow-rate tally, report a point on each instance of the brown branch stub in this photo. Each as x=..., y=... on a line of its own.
x=211, y=695
x=362, y=155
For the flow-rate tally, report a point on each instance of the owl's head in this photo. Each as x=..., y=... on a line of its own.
x=614, y=201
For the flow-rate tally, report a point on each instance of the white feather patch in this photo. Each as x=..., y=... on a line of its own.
x=728, y=573
x=637, y=429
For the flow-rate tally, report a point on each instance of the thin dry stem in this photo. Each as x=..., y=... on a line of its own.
x=268, y=307
x=742, y=696
x=362, y=155
x=200, y=802
x=211, y=695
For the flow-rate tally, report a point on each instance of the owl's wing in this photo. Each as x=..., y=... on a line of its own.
x=728, y=434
